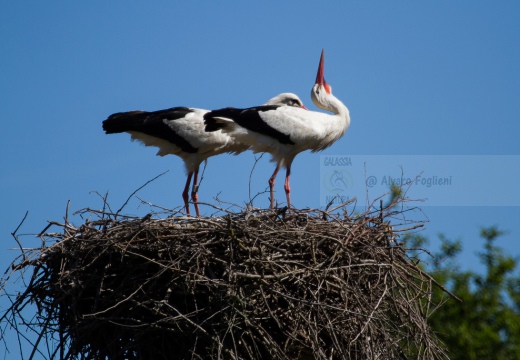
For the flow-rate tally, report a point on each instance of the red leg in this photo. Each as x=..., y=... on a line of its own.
x=194, y=192
x=271, y=184
x=185, y=193
x=287, y=186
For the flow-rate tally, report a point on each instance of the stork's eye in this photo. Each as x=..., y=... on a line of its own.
x=293, y=102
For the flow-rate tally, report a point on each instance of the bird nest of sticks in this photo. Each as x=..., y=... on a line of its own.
x=258, y=284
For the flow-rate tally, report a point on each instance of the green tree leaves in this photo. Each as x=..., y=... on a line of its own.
x=486, y=324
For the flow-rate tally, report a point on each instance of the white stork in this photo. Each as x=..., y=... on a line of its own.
x=284, y=132
x=180, y=131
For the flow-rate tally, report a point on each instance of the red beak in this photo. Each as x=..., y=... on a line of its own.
x=320, y=79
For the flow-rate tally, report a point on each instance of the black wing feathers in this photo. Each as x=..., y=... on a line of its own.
x=213, y=125
x=247, y=118
x=150, y=123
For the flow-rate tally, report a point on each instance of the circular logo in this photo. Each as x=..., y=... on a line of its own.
x=337, y=181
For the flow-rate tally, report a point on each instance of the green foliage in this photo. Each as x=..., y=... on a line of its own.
x=486, y=324
x=396, y=194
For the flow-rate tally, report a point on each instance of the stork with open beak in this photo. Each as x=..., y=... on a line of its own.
x=284, y=132
x=180, y=131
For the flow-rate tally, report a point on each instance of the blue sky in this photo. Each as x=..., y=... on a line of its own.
x=419, y=78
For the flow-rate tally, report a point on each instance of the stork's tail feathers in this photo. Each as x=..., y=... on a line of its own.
x=215, y=123
x=220, y=119
x=123, y=121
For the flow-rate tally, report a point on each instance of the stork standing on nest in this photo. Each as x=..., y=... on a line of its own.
x=284, y=132
x=180, y=131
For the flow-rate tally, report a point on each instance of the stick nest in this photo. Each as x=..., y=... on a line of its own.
x=250, y=285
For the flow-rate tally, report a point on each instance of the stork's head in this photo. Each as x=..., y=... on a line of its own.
x=321, y=88
x=288, y=99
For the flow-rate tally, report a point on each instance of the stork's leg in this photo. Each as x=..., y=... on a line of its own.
x=287, y=186
x=194, y=192
x=185, y=193
x=271, y=184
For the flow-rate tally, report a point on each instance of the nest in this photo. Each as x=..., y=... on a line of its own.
x=250, y=285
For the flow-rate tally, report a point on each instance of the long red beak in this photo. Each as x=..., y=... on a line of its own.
x=320, y=79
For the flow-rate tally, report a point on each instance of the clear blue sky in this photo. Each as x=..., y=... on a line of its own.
x=420, y=78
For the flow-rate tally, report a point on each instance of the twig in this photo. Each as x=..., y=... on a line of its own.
x=16, y=237
x=139, y=188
